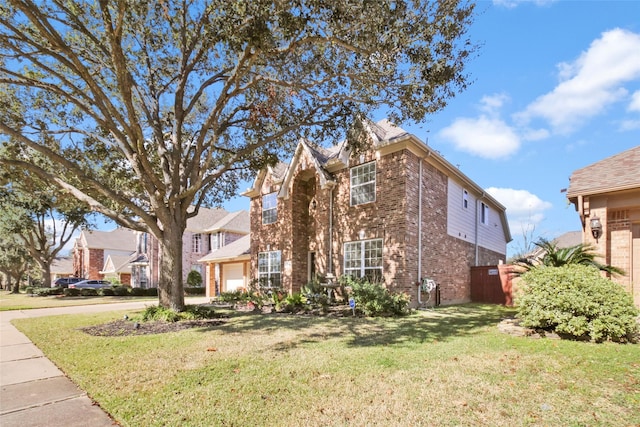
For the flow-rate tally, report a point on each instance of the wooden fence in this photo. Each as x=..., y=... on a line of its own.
x=492, y=284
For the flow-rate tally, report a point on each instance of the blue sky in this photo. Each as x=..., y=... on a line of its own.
x=556, y=88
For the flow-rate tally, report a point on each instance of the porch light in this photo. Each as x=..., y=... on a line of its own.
x=596, y=227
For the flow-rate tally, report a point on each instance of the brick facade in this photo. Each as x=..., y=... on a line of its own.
x=316, y=219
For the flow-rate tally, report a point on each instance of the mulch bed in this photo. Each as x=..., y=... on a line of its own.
x=128, y=327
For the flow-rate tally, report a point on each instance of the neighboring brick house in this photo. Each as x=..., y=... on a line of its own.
x=132, y=257
x=228, y=267
x=607, y=193
x=217, y=254
x=399, y=212
x=92, y=248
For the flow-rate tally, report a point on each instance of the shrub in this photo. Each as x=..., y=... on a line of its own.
x=576, y=301
x=195, y=291
x=107, y=292
x=191, y=312
x=232, y=296
x=151, y=292
x=373, y=299
x=121, y=291
x=291, y=303
x=194, y=279
x=156, y=312
x=45, y=292
x=88, y=292
x=71, y=292
x=138, y=292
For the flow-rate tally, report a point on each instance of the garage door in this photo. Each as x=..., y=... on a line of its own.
x=232, y=276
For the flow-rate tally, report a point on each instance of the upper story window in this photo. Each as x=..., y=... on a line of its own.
x=270, y=208
x=465, y=199
x=484, y=214
x=363, y=184
x=196, y=243
x=217, y=241
x=363, y=259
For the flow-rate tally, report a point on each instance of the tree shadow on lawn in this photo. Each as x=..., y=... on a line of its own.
x=440, y=324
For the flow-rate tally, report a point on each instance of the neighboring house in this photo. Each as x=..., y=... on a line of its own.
x=209, y=231
x=118, y=268
x=92, y=249
x=398, y=212
x=61, y=267
x=606, y=195
x=132, y=257
x=566, y=240
x=228, y=268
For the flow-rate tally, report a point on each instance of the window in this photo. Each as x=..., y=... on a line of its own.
x=269, y=208
x=363, y=184
x=269, y=269
x=364, y=259
x=465, y=199
x=485, y=214
x=196, y=243
x=216, y=241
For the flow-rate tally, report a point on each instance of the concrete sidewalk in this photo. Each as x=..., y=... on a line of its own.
x=33, y=391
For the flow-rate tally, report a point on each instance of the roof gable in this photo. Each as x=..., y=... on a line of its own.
x=240, y=249
x=237, y=222
x=122, y=239
x=206, y=216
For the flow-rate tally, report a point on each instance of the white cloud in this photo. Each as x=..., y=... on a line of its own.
x=524, y=209
x=491, y=104
x=486, y=137
x=627, y=125
x=589, y=84
x=634, y=105
x=510, y=4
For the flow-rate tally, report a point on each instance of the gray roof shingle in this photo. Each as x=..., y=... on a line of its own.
x=615, y=173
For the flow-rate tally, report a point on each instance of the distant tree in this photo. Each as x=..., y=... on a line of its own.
x=146, y=110
x=41, y=219
x=14, y=261
x=553, y=256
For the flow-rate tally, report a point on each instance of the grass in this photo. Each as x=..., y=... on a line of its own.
x=10, y=301
x=444, y=367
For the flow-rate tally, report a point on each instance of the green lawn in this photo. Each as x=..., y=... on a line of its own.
x=10, y=301
x=444, y=367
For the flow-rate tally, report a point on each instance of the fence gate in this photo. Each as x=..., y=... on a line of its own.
x=491, y=284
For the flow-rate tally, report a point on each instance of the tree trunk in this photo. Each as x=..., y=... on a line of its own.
x=46, y=274
x=170, y=286
x=15, y=288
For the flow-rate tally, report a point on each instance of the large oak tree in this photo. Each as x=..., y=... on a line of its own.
x=146, y=110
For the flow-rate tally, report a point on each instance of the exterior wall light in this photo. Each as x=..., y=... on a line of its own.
x=596, y=227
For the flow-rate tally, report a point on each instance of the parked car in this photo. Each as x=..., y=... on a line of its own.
x=64, y=282
x=94, y=284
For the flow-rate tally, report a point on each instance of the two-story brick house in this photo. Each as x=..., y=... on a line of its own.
x=398, y=212
x=132, y=257
x=92, y=249
x=606, y=195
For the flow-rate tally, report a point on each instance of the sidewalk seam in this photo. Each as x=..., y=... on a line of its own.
x=25, y=408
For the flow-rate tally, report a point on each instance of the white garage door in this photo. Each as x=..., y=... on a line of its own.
x=232, y=275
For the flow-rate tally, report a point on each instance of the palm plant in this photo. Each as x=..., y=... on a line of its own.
x=553, y=256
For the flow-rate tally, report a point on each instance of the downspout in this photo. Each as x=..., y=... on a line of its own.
x=330, y=261
x=477, y=230
x=419, y=278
